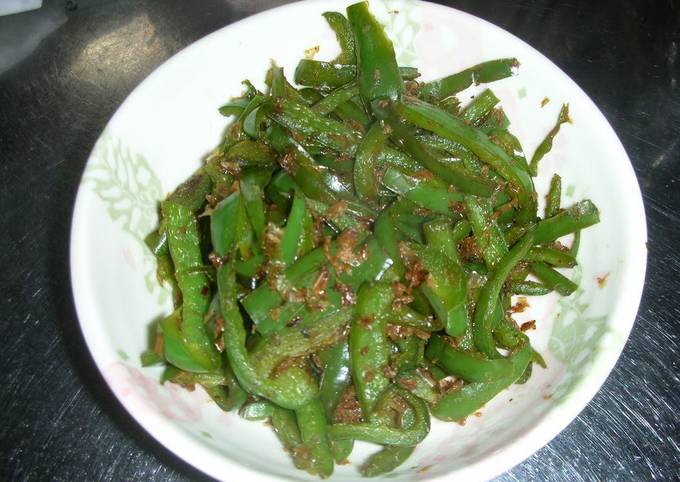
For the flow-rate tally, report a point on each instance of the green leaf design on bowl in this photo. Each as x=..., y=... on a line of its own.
x=131, y=190
x=402, y=27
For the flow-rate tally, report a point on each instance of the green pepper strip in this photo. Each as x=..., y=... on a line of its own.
x=488, y=296
x=384, y=461
x=406, y=316
x=440, y=236
x=328, y=75
x=175, y=350
x=365, y=175
x=261, y=301
x=469, y=366
x=545, y=146
x=386, y=435
x=431, y=194
x=461, y=231
x=369, y=345
x=387, y=235
x=293, y=232
x=410, y=353
x=496, y=120
x=553, y=279
x=286, y=428
x=478, y=74
x=314, y=435
x=257, y=410
x=445, y=288
x=310, y=95
x=479, y=107
x=305, y=122
x=343, y=33
x=341, y=222
x=335, y=99
x=579, y=216
x=301, y=340
x=555, y=257
x=234, y=107
x=552, y=204
x=445, y=125
x=528, y=288
x=184, y=243
x=292, y=388
x=459, y=404
x=353, y=114
x=378, y=74
x=422, y=382
x=314, y=180
x=452, y=174
x=323, y=75
x=488, y=235
x=446, y=145
x=336, y=376
x=165, y=270
x=573, y=250
x=250, y=153
x=226, y=397
x=252, y=184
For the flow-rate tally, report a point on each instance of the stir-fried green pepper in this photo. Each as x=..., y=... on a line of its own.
x=343, y=263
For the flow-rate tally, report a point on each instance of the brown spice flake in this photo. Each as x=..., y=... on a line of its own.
x=544, y=102
x=521, y=305
x=346, y=242
x=602, y=280
x=337, y=209
x=468, y=249
x=272, y=239
x=456, y=206
x=287, y=161
x=294, y=321
x=450, y=384
x=366, y=321
x=415, y=275
x=408, y=383
x=369, y=376
x=286, y=364
x=317, y=298
x=402, y=296
x=348, y=409
x=423, y=174
x=478, y=414
x=302, y=452
x=364, y=350
x=311, y=52
x=529, y=325
x=390, y=371
x=230, y=167
x=424, y=469
x=347, y=295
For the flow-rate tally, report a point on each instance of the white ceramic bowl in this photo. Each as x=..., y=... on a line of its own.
x=167, y=125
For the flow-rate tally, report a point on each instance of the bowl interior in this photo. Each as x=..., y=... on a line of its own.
x=170, y=122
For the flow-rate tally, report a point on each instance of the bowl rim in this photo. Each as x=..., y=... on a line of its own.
x=546, y=428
